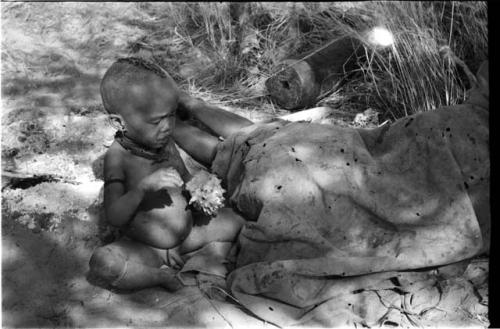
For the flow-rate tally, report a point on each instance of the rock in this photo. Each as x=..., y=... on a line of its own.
x=367, y=119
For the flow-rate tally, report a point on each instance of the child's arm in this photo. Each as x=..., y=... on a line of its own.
x=222, y=122
x=196, y=142
x=121, y=205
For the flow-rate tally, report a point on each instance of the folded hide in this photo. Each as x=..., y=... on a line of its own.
x=335, y=209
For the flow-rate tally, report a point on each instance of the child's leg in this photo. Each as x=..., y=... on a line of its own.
x=127, y=264
x=222, y=122
x=224, y=227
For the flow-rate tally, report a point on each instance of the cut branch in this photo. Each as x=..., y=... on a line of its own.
x=13, y=179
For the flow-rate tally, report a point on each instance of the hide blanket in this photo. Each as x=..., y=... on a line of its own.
x=337, y=211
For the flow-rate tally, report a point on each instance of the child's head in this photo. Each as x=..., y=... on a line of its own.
x=143, y=98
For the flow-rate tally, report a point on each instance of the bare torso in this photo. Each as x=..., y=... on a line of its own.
x=160, y=212
x=136, y=168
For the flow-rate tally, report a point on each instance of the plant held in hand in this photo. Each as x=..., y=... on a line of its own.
x=206, y=192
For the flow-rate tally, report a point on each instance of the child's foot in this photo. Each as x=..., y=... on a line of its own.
x=170, y=280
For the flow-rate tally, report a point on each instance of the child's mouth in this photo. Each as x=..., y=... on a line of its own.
x=163, y=140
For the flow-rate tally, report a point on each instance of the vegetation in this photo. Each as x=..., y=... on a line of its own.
x=55, y=133
x=225, y=51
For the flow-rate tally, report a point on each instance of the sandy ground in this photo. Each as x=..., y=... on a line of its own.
x=50, y=228
x=58, y=132
x=54, y=130
x=44, y=284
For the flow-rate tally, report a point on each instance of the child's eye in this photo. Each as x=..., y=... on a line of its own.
x=168, y=116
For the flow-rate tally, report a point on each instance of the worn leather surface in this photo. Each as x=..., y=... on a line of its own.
x=337, y=209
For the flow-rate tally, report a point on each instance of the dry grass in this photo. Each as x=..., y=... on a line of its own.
x=54, y=55
x=412, y=76
x=203, y=49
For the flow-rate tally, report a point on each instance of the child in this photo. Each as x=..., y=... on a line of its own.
x=144, y=175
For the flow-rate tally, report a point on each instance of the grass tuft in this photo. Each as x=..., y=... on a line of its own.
x=229, y=50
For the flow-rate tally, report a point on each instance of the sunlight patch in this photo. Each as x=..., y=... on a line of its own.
x=380, y=36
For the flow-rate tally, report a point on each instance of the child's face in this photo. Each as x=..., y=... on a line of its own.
x=148, y=110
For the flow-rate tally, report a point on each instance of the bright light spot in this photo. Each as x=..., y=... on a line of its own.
x=380, y=36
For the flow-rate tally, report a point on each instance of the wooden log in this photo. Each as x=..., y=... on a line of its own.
x=294, y=86
x=299, y=79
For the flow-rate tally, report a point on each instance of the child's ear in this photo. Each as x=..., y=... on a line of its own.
x=117, y=121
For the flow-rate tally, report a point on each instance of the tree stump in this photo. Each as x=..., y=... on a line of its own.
x=298, y=83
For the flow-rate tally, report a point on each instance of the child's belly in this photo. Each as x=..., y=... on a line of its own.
x=161, y=219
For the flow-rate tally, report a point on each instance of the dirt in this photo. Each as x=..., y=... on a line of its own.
x=50, y=228
x=52, y=221
x=54, y=136
x=44, y=284
x=51, y=225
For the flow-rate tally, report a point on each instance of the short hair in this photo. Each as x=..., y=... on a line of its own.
x=128, y=70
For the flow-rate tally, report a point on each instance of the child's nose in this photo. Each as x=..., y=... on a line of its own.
x=167, y=125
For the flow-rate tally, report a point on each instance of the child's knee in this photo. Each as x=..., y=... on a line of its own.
x=107, y=264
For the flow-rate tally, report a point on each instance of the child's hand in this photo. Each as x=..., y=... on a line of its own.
x=174, y=259
x=162, y=178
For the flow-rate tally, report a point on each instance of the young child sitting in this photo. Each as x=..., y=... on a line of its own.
x=144, y=175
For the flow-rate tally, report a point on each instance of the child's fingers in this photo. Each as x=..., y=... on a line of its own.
x=172, y=181
x=166, y=177
x=175, y=178
x=174, y=259
x=171, y=172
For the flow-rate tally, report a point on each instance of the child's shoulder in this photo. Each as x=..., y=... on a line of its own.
x=114, y=154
